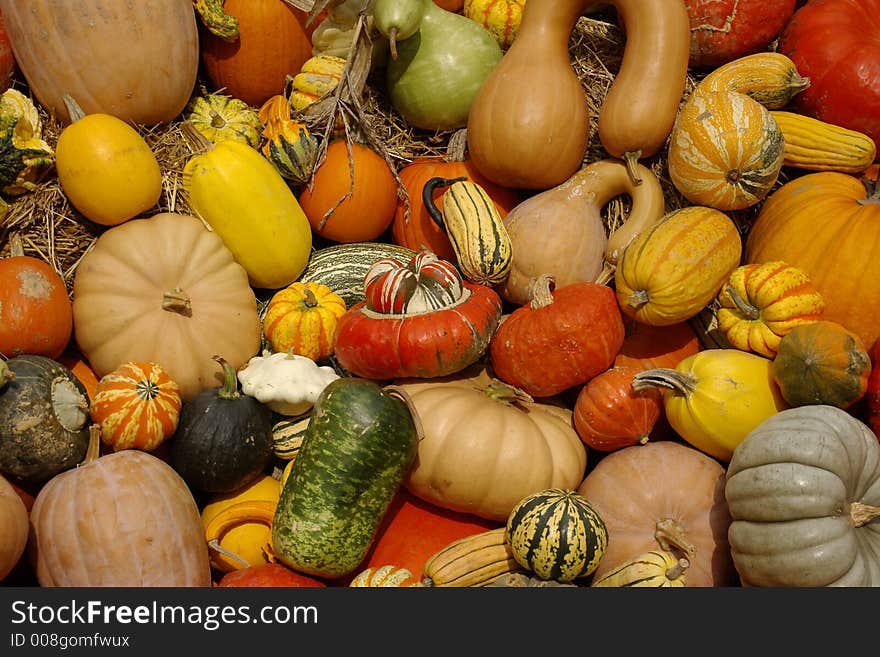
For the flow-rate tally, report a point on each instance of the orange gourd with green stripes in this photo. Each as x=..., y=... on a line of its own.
x=302, y=318
x=137, y=406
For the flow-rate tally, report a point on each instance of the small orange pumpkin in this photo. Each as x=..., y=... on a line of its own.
x=302, y=318
x=36, y=315
x=351, y=199
x=137, y=406
x=500, y=17
x=821, y=363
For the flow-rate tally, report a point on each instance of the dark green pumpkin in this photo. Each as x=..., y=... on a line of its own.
x=557, y=535
x=44, y=417
x=360, y=444
x=223, y=440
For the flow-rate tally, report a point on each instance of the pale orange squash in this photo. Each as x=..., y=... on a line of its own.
x=13, y=528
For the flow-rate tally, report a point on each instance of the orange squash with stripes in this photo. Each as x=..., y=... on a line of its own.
x=725, y=150
x=137, y=406
x=302, y=317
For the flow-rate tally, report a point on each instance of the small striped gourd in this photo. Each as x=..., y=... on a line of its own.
x=219, y=117
x=389, y=576
x=137, y=406
x=475, y=229
x=475, y=560
x=672, y=270
x=770, y=78
x=302, y=318
x=817, y=145
x=342, y=267
x=289, y=145
x=287, y=437
x=725, y=150
x=557, y=534
x=656, y=569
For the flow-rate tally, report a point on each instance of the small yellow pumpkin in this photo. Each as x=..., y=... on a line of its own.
x=106, y=169
x=500, y=17
x=761, y=303
x=714, y=398
x=670, y=271
x=725, y=150
x=302, y=318
x=219, y=117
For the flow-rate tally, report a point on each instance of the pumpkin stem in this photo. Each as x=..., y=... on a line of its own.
x=670, y=534
x=542, y=291
x=240, y=513
x=214, y=544
x=73, y=109
x=505, y=393
x=196, y=141
x=748, y=310
x=676, y=570
x=872, y=188
x=217, y=120
x=310, y=301
x=631, y=159
x=428, y=197
x=862, y=514
x=665, y=377
x=93, y=451
x=606, y=274
x=404, y=396
x=229, y=390
x=177, y=301
x=637, y=299
x=457, y=147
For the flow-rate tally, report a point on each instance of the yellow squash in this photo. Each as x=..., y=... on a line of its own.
x=244, y=199
x=763, y=302
x=653, y=569
x=715, y=397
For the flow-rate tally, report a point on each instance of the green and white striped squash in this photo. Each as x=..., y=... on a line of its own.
x=287, y=437
x=557, y=534
x=342, y=267
x=725, y=150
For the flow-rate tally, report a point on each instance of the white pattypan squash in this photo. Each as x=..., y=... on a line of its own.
x=287, y=383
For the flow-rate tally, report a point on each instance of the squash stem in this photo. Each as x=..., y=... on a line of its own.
x=505, y=393
x=177, y=301
x=676, y=570
x=862, y=514
x=872, y=187
x=670, y=533
x=73, y=109
x=748, y=310
x=542, y=291
x=637, y=299
x=631, y=158
x=665, y=377
x=229, y=390
x=93, y=451
x=6, y=374
x=428, y=197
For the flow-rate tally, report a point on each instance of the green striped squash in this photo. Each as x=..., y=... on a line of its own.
x=557, y=534
x=652, y=569
x=342, y=267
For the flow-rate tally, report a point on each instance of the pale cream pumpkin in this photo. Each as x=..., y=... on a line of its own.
x=165, y=290
x=13, y=528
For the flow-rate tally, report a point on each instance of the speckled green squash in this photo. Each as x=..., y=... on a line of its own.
x=360, y=444
x=557, y=534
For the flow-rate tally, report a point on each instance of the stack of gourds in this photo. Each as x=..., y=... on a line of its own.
x=341, y=369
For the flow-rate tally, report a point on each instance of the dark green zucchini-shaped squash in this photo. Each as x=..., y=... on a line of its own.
x=44, y=417
x=557, y=534
x=359, y=446
x=223, y=440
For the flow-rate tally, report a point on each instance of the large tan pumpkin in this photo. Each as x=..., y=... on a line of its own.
x=13, y=527
x=123, y=519
x=135, y=60
x=165, y=290
x=669, y=490
x=484, y=449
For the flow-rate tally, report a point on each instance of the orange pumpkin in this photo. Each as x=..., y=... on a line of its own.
x=73, y=360
x=36, y=315
x=13, y=527
x=302, y=318
x=345, y=211
x=839, y=253
x=821, y=363
x=414, y=228
x=137, y=406
x=609, y=414
x=646, y=346
x=244, y=66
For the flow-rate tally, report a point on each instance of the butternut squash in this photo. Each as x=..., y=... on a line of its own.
x=529, y=124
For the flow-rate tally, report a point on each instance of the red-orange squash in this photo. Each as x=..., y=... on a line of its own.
x=664, y=495
x=36, y=315
x=839, y=253
x=345, y=210
x=244, y=66
x=563, y=338
x=609, y=414
x=646, y=346
x=137, y=406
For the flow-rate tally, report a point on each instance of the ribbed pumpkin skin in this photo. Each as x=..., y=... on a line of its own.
x=669, y=487
x=769, y=77
x=547, y=349
x=792, y=486
x=13, y=527
x=137, y=406
x=119, y=312
x=725, y=150
x=821, y=363
x=303, y=317
x=557, y=534
x=677, y=266
x=776, y=298
x=150, y=535
x=106, y=55
x=609, y=414
x=646, y=346
x=838, y=253
x=242, y=66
